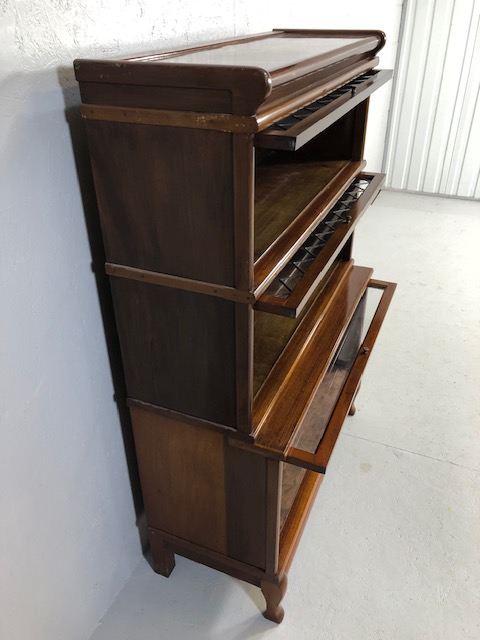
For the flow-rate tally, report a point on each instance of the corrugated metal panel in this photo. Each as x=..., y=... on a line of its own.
x=435, y=121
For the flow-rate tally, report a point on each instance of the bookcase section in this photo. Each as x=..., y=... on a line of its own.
x=230, y=178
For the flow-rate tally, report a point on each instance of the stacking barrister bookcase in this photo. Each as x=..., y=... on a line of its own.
x=230, y=178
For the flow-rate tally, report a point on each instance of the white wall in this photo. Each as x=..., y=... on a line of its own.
x=68, y=533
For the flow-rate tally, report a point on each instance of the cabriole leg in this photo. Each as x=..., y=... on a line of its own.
x=273, y=593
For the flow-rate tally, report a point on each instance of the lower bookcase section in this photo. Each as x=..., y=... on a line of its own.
x=217, y=503
x=273, y=584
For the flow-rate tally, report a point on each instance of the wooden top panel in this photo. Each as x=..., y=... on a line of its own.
x=282, y=55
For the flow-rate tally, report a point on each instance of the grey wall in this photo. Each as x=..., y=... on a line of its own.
x=68, y=531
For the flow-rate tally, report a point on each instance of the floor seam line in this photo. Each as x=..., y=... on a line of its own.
x=414, y=453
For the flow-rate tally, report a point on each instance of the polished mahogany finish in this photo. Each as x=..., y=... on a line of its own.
x=230, y=178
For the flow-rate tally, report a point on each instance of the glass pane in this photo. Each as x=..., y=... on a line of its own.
x=291, y=481
x=319, y=413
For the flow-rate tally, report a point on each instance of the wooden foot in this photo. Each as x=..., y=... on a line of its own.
x=163, y=557
x=273, y=593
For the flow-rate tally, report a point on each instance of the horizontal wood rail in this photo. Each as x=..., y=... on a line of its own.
x=177, y=282
x=170, y=118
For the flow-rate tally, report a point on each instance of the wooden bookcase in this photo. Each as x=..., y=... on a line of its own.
x=230, y=178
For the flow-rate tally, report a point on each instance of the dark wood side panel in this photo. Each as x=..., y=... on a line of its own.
x=246, y=486
x=178, y=348
x=182, y=475
x=145, y=177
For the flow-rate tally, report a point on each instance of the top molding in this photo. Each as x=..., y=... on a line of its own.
x=256, y=71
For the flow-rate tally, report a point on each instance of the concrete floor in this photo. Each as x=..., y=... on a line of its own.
x=392, y=548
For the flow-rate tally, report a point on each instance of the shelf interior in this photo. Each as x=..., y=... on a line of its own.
x=285, y=184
